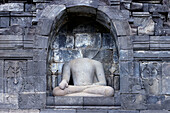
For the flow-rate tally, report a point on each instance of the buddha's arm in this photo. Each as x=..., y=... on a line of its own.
x=66, y=76
x=100, y=74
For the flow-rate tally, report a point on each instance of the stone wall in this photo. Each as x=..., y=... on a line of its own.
x=139, y=30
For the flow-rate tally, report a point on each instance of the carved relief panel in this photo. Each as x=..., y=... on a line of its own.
x=13, y=73
x=151, y=77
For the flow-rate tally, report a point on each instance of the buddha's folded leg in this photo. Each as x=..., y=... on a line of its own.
x=70, y=90
x=102, y=90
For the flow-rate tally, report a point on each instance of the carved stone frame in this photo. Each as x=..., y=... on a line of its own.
x=115, y=20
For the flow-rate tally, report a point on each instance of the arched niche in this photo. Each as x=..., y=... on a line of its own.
x=56, y=18
x=82, y=37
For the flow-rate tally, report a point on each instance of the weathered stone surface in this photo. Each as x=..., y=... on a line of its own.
x=24, y=111
x=166, y=103
x=151, y=75
x=151, y=54
x=12, y=7
x=165, y=69
x=154, y=111
x=67, y=101
x=91, y=111
x=39, y=68
x=141, y=42
x=32, y=100
x=126, y=55
x=4, y=21
x=133, y=101
x=34, y=84
x=63, y=41
x=125, y=43
x=55, y=11
x=112, y=13
x=155, y=102
x=57, y=111
x=66, y=55
x=121, y=28
x=126, y=68
x=22, y=21
x=41, y=42
x=159, y=42
x=44, y=26
x=147, y=28
x=108, y=41
x=87, y=41
x=165, y=85
x=158, y=8
x=87, y=11
x=11, y=41
x=103, y=19
x=123, y=111
x=57, y=67
x=30, y=7
x=136, y=6
x=98, y=101
x=141, y=14
x=8, y=101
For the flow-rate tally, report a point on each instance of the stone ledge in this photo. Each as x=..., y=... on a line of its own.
x=81, y=101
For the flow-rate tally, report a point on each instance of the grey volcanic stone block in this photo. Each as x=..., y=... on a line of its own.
x=166, y=103
x=165, y=69
x=58, y=111
x=41, y=42
x=98, y=101
x=4, y=21
x=105, y=55
x=63, y=41
x=40, y=68
x=8, y=101
x=147, y=27
x=154, y=111
x=108, y=41
x=12, y=7
x=4, y=111
x=66, y=55
x=155, y=102
x=86, y=40
x=53, y=11
x=112, y=13
x=126, y=68
x=40, y=55
x=34, y=84
x=22, y=21
x=67, y=101
x=24, y=111
x=91, y=111
x=30, y=7
x=126, y=55
x=32, y=100
x=44, y=26
x=133, y=101
x=125, y=43
x=122, y=27
x=123, y=111
x=151, y=54
x=83, y=10
x=158, y=8
x=165, y=85
x=136, y=6
x=50, y=101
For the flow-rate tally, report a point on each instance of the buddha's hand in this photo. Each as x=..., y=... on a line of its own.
x=63, y=84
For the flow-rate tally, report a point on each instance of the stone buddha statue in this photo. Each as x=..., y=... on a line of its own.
x=83, y=71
